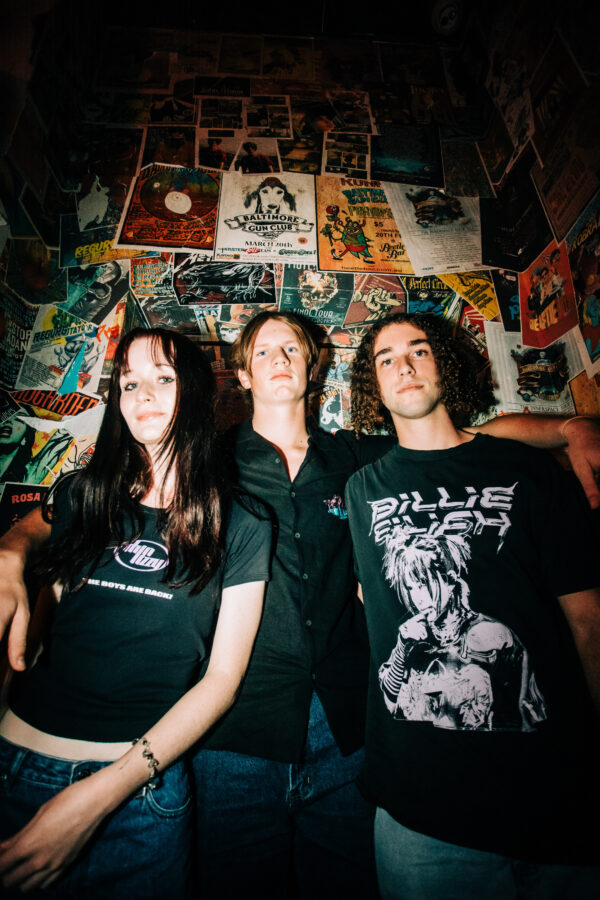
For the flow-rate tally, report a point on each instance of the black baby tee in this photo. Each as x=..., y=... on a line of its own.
x=126, y=646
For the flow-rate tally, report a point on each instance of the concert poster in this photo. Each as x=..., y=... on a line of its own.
x=266, y=218
x=442, y=232
x=322, y=297
x=357, y=229
x=375, y=296
x=477, y=288
x=214, y=283
x=583, y=244
x=532, y=379
x=547, y=298
x=506, y=285
x=407, y=153
x=429, y=294
x=92, y=246
x=152, y=276
x=17, y=500
x=171, y=206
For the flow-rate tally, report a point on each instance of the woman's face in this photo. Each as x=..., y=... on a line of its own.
x=148, y=392
x=430, y=598
x=12, y=431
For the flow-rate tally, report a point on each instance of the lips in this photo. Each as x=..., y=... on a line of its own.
x=147, y=416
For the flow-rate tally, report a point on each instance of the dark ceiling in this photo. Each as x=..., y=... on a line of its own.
x=398, y=20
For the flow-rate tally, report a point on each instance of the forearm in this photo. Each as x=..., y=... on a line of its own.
x=579, y=435
x=537, y=431
x=200, y=707
x=37, y=854
x=23, y=539
x=588, y=647
x=582, y=611
x=15, y=547
x=167, y=740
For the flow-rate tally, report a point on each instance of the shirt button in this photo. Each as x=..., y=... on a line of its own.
x=297, y=535
x=308, y=623
x=304, y=577
x=292, y=493
x=277, y=461
x=314, y=676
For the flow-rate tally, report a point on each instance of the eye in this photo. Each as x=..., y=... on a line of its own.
x=292, y=349
x=260, y=353
x=421, y=353
x=129, y=386
x=384, y=361
x=166, y=379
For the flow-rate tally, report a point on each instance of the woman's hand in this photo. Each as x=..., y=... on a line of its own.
x=42, y=850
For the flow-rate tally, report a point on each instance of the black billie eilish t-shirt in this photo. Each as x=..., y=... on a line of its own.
x=126, y=646
x=480, y=729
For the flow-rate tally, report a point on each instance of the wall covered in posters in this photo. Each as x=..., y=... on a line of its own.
x=192, y=178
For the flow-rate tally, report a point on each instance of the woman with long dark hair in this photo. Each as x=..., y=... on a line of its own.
x=163, y=575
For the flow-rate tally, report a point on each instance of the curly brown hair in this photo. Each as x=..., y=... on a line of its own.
x=462, y=395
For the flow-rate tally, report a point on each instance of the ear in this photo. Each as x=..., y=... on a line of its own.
x=243, y=379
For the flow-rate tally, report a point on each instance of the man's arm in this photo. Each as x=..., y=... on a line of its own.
x=580, y=436
x=582, y=611
x=15, y=547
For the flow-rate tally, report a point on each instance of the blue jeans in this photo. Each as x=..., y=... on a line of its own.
x=272, y=830
x=141, y=851
x=413, y=866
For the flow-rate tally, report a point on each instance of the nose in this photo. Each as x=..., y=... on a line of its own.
x=146, y=391
x=405, y=366
x=280, y=357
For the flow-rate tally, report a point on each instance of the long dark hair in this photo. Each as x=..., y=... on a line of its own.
x=105, y=495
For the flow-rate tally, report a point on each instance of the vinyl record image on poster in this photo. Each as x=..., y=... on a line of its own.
x=171, y=206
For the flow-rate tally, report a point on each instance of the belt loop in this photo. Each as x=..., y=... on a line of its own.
x=13, y=768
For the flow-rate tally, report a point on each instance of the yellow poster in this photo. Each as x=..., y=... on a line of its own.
x=356, y=229
x=477, y=288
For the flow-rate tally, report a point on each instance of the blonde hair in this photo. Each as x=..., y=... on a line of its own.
x=243, y=346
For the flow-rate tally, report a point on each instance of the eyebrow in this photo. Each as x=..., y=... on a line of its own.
x=414, y=343
x=270, y=343
x=158, y=366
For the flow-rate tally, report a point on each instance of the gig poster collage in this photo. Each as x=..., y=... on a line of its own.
x=193, y=179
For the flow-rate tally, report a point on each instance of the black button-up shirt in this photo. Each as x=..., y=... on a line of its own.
x=312, y=634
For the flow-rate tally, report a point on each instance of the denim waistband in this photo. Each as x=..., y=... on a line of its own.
x=56, y=772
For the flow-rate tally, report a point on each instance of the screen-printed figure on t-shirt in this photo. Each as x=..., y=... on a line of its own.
x=451, y=666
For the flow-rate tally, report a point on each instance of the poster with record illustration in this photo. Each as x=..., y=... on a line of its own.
x=267, y=218
x=171, y=206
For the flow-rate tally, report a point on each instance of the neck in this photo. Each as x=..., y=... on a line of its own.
x=163, y=484
x=284, y=425
x=434, y=431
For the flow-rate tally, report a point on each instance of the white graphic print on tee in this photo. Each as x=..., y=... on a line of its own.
x=451, y=665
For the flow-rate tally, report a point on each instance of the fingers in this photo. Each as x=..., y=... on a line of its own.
x=17, y=638
x=26, y=877
x=26, y=868
x=586, y=475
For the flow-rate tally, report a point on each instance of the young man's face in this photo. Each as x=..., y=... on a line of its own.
x=406, y=371
x=277, y=373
